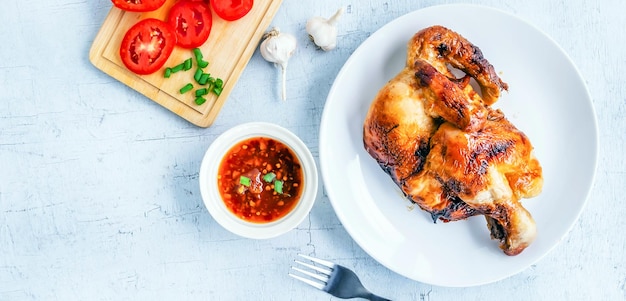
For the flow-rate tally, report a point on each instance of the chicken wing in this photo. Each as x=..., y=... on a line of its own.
x=441, y=47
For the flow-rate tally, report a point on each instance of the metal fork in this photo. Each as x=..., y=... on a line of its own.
x=336, y=280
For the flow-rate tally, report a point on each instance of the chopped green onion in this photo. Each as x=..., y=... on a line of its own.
x=178, y=67
x=204, y=78
x=214, y=85
x=217, y=90
x=199, y=58
x=186, y=88
x=219, y=82
x=200, y=100
x=245, y=181
x=269, y=177
x=201, y=92
x=187, y=64
x=197, y=75
x=203, y=64
x=198, y=54
x=278, y=186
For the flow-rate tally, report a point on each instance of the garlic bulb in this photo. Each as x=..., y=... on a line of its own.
x=277, y=48
x=323, y=32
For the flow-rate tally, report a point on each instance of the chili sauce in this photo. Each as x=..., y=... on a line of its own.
x=260, y=180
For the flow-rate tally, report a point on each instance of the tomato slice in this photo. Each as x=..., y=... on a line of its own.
x=138, y=5
x=231, y=10
x=192, y=23
x=147, y=45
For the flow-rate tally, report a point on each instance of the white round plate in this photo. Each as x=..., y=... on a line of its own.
x=547, y=99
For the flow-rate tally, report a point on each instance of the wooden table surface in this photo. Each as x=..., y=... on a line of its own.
x=99, y=196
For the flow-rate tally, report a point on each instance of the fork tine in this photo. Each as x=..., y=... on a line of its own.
x=320, y=261
x=309, y=282
x=323, y=277
x=316, y=276
x=310, y=266
x=337, y=280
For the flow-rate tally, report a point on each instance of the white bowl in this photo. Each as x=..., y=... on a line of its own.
x=209, y=188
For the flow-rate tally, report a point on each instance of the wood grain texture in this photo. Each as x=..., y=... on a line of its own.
x=99, y=196
x=228, y=50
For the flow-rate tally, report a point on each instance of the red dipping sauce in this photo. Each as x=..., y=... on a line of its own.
x=260, y=180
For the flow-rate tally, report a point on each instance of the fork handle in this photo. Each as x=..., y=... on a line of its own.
x=373, y=297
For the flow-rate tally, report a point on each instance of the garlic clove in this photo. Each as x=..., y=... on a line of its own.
x=277, y=48
x=323, y=32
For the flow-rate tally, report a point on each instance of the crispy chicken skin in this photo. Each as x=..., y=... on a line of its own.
x=448, y=151
x=440, y=46
x=489, y=170
x=397, y=129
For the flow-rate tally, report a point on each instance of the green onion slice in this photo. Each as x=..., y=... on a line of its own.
x=202, y=92
x=199, y=58
x=245, y=181
x=200, y=100
x=186, y=88
x=217, y=90
x=204, y=78
x=187, y=64
x=278, y=186
x=197, y=75
x=198, y=54
x=178, y=67
x=203, y=64
x=269, y=177
x=219, y=82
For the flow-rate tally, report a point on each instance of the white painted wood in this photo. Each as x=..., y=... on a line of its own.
x=98, y=185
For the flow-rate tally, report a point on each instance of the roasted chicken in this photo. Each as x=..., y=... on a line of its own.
x=446, y=148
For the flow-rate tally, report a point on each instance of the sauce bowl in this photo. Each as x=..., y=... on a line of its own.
x=209, y=190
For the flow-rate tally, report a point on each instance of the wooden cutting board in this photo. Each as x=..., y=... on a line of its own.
x=228, y=50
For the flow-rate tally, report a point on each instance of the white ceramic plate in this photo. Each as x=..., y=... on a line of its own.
x=547, y=99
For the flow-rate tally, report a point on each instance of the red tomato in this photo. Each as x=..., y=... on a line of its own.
x=138, y=5
x=147, y=45
x=192, y=23
x=231, y=10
